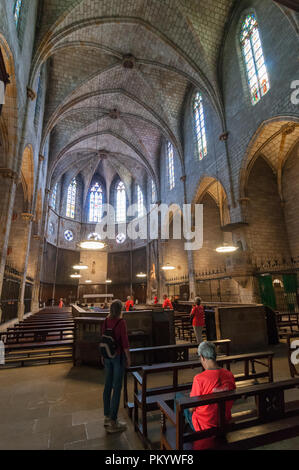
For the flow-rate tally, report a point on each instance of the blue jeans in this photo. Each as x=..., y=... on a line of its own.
x=114, y=374
x=187, y=413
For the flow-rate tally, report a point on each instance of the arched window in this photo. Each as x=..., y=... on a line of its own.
x=54, y=196
x=170, y=165
x=199, y=124
x=121, y=203
x=17, y=11
x=154, y=193
x=71, y=199
x=96, y=203
x=140, y=202
x=254, y=59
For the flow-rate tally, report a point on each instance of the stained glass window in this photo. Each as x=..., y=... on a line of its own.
x=69, y=236
x=140, y=202
x=54, y=196
x=154, y=193
x=199, y=123
x=96, y=203
x=170, y=163
x=254, y=59
x=71, y=199
x=17, y=10
x=121, y=203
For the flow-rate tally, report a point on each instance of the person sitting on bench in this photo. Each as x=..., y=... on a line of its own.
x=214, y=379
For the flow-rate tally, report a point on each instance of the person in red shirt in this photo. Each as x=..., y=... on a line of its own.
x=198, y=319
x=115, y=368
x=214, y=379
x=167, y=303
x=129, y=304
x=155, y=300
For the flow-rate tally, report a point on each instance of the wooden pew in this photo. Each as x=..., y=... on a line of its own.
x=37, y=334
x=146, y=399
x=177, y=352
x=273, y=420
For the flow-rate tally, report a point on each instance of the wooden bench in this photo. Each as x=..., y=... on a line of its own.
x=35, y=345
x=146, y=399
x=37, y=334
x=272, y=420
x=173, y=352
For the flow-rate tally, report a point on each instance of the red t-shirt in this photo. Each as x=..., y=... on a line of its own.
x=129, y=303
x=120, y=333
x=167, y=304
x=199, y=315
x=211, y=381
x=155, y=300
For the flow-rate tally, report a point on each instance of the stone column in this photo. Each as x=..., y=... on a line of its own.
x=44, y=230
x=192, y=280
x=7, y=192
x=28, y=217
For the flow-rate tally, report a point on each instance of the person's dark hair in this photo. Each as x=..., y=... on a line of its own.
x=198, y=300
x=116, y=309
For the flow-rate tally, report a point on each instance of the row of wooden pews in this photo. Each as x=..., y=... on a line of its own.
x=45, y=337
x=269, y=416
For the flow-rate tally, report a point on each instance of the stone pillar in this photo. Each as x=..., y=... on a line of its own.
x=37, y=277
x=192, y=280
x=6, y=211
x=28, y=217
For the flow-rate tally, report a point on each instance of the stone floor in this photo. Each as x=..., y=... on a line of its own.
x=60, y=407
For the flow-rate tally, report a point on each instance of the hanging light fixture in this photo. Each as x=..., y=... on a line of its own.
x=76, y=276
x=80, y=267
x=108, y=281
x=168, y=267
x=226, y=248
x=88, y=281
x=141, y=275
x=93, y=243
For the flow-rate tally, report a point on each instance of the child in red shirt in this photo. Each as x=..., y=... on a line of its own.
x=129, y=304
x=198, y=320
x=167, y=303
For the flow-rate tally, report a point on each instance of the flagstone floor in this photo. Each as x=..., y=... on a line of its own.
x=61, y=407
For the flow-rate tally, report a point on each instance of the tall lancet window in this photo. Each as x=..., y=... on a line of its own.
x=121, y=203
x=140, y=202
x=71, y=199
x=154, y=193
x=96, y=203
x=170, y=165
x=17, y=11
x=199, y=125
x=257, y=74
x=54, y=196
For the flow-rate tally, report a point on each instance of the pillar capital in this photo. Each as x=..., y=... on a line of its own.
x=8, y=173
x=31, y=94
x=27, y=216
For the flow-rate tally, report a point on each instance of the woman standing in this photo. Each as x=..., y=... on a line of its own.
x=198, y=319
x=115, y=368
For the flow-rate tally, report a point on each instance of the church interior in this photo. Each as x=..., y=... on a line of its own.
x=109, y=110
